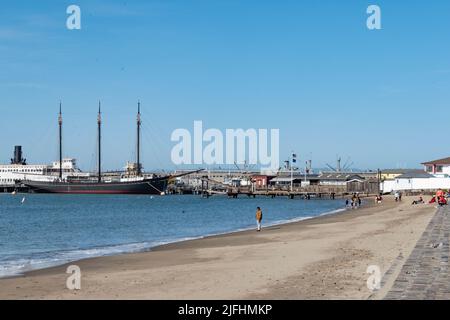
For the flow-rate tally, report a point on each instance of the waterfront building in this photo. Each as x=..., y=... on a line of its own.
x=391, y=174
x=434, y=176
x=438, y=168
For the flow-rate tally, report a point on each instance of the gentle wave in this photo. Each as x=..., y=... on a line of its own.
x=333, y=212
x=39, y=261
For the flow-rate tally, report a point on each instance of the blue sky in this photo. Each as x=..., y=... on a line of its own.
x=310, y=68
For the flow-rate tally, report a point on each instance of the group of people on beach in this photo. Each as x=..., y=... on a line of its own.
x=354, y=203
x=440, y=198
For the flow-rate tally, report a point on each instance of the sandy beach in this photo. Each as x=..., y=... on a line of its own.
x=322, y=258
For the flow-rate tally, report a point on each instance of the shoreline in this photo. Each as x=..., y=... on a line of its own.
x=159, y=244
x=324, y=257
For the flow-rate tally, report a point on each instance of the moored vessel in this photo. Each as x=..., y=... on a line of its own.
x=135, y=182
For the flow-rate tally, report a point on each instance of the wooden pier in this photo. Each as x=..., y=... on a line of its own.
x=296, y=191
x=302, y=193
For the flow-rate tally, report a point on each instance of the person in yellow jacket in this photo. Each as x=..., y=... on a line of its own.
x=259, y=217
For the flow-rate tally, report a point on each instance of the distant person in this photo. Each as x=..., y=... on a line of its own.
x=397, y=196
x=259, y=217
x=442, y=201
x=379, y=199
x=400, y=194
x=420, y=201
x=347, y=202
x=359, y=202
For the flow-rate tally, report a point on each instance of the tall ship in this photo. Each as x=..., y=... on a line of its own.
x=133, y=181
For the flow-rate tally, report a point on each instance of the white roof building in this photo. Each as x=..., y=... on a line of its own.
x=436, y=175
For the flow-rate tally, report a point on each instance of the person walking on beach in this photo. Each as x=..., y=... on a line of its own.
x=259, y=217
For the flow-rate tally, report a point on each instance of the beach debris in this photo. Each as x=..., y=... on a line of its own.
x=437, y=245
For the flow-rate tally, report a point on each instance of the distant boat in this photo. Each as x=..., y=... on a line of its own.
x=14, y=192
x=137, y=184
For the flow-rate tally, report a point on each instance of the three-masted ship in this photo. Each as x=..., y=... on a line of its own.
x=133, y=183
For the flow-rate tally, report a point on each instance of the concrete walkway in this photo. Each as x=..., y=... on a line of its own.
x=425, y=275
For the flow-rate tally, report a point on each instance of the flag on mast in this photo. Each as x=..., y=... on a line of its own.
x=294, y=158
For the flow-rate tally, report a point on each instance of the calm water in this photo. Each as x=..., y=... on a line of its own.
x=48, y=230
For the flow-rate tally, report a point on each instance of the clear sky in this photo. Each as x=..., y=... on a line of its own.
x=310, y=68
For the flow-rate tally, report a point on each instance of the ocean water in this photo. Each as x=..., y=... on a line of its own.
x=50, y=230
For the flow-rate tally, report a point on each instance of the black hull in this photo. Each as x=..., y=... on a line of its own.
x=148, y=186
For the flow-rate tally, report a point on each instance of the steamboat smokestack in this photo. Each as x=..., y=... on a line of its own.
x=18, y=156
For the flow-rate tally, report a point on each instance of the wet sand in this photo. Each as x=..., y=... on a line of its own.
x=321, y=258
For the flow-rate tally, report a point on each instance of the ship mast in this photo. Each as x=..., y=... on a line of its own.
x=99, y=124
x=138, y=153
x=60, y=141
